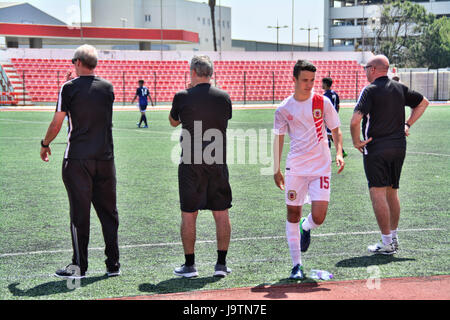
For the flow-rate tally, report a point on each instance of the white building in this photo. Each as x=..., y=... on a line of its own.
x=176, y=14
x=347, y=21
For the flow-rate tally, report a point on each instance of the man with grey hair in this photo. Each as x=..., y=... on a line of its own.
x=381, y=107
x=88, y=169
x=203, y=111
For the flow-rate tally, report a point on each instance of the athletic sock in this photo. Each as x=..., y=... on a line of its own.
x=140, y=121
x=386, y=238
x=145, y=119
x=221, y=257
x=309, y=224
x=293, y=239
x=394, y=233
x=190, y=259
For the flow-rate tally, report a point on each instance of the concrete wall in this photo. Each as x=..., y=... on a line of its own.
x=176, y=14
x=182, y=55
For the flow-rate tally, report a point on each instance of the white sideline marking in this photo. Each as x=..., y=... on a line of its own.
x=429, y=154
x=210, y=241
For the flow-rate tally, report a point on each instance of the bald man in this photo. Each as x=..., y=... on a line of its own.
x=381, y=107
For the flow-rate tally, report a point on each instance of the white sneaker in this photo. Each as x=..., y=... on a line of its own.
x=380, y=248
x=395, y=243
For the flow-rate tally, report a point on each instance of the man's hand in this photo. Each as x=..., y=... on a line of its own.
x=279, y=180
x=340, y=162
x=69, y=75
x=45, y=152
x=406, y=130
x=361, y=144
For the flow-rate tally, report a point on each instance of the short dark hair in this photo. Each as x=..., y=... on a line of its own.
x=328, y=81
x=141, y=81
x=303, y=65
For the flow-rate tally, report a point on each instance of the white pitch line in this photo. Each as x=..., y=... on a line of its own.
x=429, y=154
x=12, y=254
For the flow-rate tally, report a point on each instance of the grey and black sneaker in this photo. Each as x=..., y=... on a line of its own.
x=305, y=238
x=71, y=271
x=395, y=244
x=380, y=248
x=186, y=271
x=221, y=270
x=297, y=273
x=113, y=272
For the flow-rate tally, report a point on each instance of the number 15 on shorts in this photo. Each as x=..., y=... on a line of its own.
x=324, y=182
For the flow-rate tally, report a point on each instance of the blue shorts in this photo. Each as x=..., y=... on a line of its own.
x=142, y=108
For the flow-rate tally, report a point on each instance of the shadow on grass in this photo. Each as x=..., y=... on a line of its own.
x=373, y=260
x=52, y=287
x=177, y=285
x=280, y=289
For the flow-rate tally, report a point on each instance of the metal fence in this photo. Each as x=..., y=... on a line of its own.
x=245, y=87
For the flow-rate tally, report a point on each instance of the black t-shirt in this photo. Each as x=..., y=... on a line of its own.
x=88, y=101
x=383, y=104
x=205, y=107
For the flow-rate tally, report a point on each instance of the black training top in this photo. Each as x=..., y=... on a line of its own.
x=88, y=101
x=200, y=109
x=383, y=104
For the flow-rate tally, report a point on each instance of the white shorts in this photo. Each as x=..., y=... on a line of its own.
x=300, y=190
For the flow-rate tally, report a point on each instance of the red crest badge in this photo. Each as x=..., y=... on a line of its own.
x=292, y=195
x=317, y=113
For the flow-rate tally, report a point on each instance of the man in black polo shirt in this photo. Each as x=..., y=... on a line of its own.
x=381, y=106
x=88, y=170
x=204, y=112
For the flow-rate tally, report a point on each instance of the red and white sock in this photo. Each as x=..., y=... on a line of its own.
x=293, y=239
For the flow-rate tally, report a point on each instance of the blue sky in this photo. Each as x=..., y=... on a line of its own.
x=250, y=18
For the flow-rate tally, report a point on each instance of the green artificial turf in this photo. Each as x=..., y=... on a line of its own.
x=34, y=219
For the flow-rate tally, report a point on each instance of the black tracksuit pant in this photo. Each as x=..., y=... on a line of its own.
x=92, y=181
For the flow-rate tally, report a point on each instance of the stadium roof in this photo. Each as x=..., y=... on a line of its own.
x=9, y=4
x=112, y=35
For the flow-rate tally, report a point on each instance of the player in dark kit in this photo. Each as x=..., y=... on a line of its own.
x=88, y=170
x=144, y=94
x=334, y=98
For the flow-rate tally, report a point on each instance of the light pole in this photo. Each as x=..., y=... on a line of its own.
x=81, y=24
x=309, y=35
x=278, y=28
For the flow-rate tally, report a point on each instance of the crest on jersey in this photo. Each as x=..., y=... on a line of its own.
x=317, y=113
x=292, y=195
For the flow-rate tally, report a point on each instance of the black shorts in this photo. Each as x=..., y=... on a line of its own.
x=383, y=168
x=142, y=108
x=204, y=187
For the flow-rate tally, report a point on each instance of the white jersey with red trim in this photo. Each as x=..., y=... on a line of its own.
x=309, y=154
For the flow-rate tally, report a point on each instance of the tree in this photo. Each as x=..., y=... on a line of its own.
x=212, y=7
x=432, y=48
x=400, y=24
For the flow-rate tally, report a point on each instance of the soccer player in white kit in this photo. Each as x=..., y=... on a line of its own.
x=303, y=116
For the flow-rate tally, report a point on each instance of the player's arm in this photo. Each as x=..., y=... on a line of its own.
x=355, y=127
x=135, y=96
x=173, y=123
x=277, y=153
x=338, y=144
x=52, y=132
x=416, y=113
